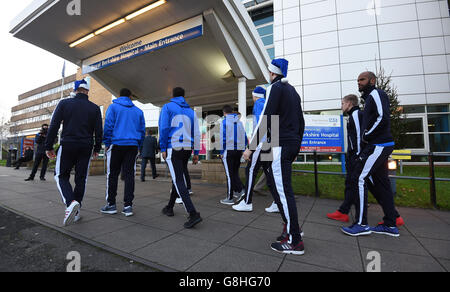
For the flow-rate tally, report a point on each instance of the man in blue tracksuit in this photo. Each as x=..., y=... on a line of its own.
x=123, y=137
x=284, y=103
x=179, y=135
x=377, y=146
x=234, y=142
x=81, y=119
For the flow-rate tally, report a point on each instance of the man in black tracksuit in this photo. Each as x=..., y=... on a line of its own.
x=40, y=154
x=283, y=102
x=148, y=153
x=350, y=106
x=371, y=164
x=81, y=119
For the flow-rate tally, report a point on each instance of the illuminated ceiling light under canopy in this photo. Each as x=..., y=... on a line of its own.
x=118, y=22
x=145, y=9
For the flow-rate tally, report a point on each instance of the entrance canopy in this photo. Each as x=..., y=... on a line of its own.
x=206, y=46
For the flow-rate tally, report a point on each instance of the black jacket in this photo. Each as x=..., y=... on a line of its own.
x=81, y=119
x=150, y=147
x=283, y=101
x=28, y=155
x=40, y=142
x=376, y=120
x=354, y=132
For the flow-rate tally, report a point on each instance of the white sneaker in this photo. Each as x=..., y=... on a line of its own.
x=273, y=208
x=179, y=201
x=243, y=207
x=190, y=192
x=70, y=213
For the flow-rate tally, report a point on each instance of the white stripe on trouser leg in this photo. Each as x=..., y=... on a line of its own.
x=361, y=182
x=108, y=169
x=225, y=164
x=58, y=173
x=172, y=174
x=135, y=164
x=87, y=173
x=278, y=177
x=252, y=169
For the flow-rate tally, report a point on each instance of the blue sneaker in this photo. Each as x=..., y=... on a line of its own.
x=386, y=230
x=357, y=230
x=109, y=209
x=127, y=211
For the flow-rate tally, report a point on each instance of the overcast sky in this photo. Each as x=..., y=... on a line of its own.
x=24, y=66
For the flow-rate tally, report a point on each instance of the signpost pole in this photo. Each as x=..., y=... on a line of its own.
x=342, y=145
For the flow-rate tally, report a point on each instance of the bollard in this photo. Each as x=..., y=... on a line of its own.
x=392, y=167
x=432, y=181
x=316, y=174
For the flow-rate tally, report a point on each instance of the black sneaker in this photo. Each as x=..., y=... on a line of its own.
x=285, y=236
x=29, y=179
x=193, y=220
x=168, y=211
x=287, y=248
x=43, y=179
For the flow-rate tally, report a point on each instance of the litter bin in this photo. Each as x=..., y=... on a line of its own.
x=12, y=156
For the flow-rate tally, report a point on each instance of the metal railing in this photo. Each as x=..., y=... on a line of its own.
x=431, y=178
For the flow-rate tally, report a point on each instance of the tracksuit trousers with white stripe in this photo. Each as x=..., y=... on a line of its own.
x=121, y=158
x=251, y=172
x=280, y=173
x=371, y=167
x=68, y=157
x=349, y=197
x=232, y=162
x=177, y=161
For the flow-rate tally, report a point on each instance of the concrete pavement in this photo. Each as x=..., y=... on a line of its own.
x=227, y=240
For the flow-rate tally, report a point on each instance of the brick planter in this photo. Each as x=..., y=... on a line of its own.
x=97, y=167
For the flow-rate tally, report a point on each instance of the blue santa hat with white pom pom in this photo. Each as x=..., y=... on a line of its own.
x=81, y=84
x=279, y=67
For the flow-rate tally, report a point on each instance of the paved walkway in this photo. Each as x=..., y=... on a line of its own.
x=227, y=240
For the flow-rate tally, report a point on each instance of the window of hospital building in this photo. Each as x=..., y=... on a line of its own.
x=439, y=128
x=263, y=20
x=413, y=109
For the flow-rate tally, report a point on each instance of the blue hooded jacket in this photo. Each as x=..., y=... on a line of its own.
x=233, y=133
x=124, y=124
x=178, y=126
x=257, y=111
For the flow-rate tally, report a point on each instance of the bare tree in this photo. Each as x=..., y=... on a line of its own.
x=4, y=131
x=398, y=122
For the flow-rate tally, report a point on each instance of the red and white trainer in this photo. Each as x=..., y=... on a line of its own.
x=71, y=211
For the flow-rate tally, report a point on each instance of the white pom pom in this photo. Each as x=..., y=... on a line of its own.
x=284, y=80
